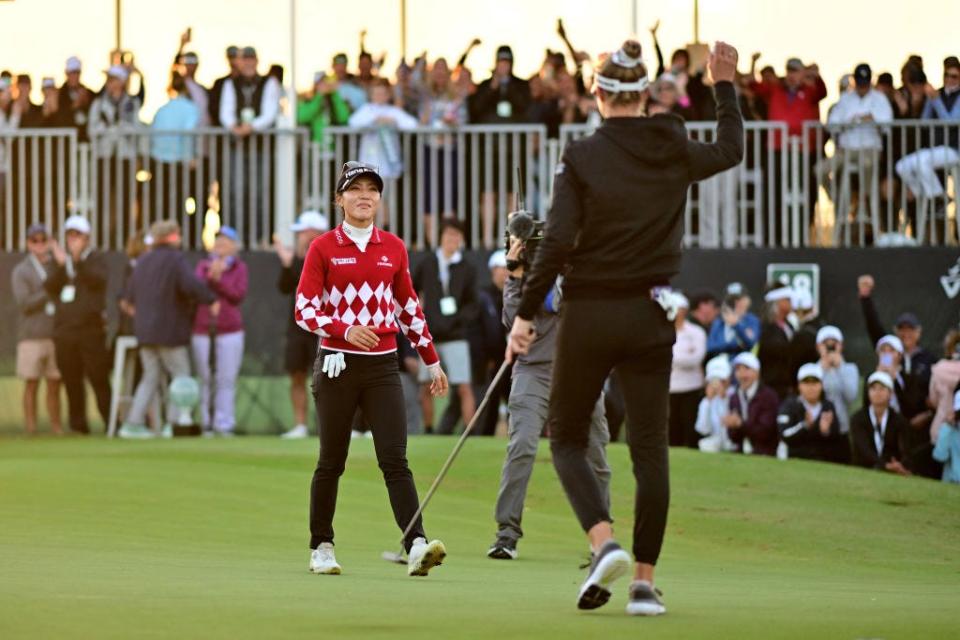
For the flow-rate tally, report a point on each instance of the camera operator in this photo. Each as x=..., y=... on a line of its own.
x=528, y=404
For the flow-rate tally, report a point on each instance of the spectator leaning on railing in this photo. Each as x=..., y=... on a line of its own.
x=216, y=91
x=324, y=108
x=75, y=98
x=249, y=102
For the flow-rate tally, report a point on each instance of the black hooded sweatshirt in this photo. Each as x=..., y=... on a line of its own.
x=615, y=226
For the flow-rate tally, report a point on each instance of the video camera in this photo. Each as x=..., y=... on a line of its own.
x=522, y=225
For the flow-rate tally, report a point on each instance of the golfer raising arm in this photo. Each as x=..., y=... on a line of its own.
x=615, y=227
x=355, y=290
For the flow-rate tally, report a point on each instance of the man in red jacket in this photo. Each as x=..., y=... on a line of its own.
x=794, y=99
x=354, y=292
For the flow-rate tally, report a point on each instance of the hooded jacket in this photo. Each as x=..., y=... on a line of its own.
x=616, y=220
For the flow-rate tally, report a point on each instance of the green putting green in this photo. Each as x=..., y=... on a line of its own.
x=207, y=539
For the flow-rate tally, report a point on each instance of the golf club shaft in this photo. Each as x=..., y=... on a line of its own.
x=491, y=389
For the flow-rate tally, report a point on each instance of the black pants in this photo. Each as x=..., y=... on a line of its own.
x=371, y=383
x=683, y=419
x=632, y=336
x=84, y=355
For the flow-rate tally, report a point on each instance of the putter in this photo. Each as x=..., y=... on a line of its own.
x=390, y=556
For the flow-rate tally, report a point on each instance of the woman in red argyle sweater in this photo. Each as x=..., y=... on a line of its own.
x=355, y=293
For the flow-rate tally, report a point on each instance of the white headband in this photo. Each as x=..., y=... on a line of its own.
x=612, y=85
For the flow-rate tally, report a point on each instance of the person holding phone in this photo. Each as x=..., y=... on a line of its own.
x=841, y=380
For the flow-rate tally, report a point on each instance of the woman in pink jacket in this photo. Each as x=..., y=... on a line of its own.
x=943, y=382
x=226, y=275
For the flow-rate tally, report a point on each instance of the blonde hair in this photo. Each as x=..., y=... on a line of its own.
x=611, y=67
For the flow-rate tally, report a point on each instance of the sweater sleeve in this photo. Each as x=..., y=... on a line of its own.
x=308, y=312
x=232, y=286
x=512, y=289
x=563, y=225
x=409, y=314
x=707, y=159
x=27, y=301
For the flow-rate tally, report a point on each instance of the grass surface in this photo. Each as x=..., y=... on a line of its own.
x=207, y=539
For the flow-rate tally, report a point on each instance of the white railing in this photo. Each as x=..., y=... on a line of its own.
x=822, y=189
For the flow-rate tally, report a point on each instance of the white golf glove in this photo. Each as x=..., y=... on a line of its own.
x=669, y=301
x=333, y=364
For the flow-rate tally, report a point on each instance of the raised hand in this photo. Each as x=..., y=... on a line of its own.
x=723, y=62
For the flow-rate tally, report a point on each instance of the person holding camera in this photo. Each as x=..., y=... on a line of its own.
x=841, y=381
x=618, y=311
x=529, y=404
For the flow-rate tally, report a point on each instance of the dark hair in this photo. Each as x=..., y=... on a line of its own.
x=680, y=52
x=700, y=297
x=610, y=69
x=177, y=83
x=951, y=63
x=452, y=223
x=951, y=344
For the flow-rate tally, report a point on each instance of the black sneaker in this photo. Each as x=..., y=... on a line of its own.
x=503, y=549
x=609, y=564
x=645, y=600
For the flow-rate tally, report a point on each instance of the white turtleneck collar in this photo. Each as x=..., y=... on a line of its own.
x=360, y=236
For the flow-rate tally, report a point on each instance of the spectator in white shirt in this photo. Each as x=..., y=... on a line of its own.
x=857, y=158
x=250, y=102
x=380, y=146
x=686, y=377
x=714, y=407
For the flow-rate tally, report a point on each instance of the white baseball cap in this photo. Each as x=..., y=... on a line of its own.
x=881, y=377
x=892, y=341
x=310, y=220
x=719, y=368
x=77, y=223
x=810, y=370
x=497, y=259
x=119, y=72
x=73, y=64
x=748, y=360
x=780, y=293
x=829, y=332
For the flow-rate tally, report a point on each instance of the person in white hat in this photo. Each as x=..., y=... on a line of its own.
x=876, y=430
x=776, y=334
x=686, y=377
x=841, y=381
x=947, y=449
x=807, y=421
x=752, y=421
x=715, y=406
x=78, y=286
x=301, y=348
x=890, y=360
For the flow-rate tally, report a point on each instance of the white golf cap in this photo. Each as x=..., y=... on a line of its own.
x=719, y=368
x=310, y=220
x=892, y=341
x=73, y=64
x=735, y=289
x=748, y=360
x=802, y=299
x=77, y=223
x=119, y=72
x=497, y=259
x=881, y=377
x=810, y=370
x=780, y=293
x=956, y=401
x=829, y=332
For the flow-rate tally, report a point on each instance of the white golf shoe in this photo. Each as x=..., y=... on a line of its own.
x=424, y=556
x=323, y=562
x=609, y=564
x=299, y=432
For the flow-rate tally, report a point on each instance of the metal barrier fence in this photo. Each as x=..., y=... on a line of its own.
x=834, y=186
x=894, y=183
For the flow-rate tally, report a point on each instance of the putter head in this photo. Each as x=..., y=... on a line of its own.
x=391, y=556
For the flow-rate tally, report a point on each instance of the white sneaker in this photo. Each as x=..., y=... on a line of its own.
x=167, y=431
x=609, y=564
x=645, y=600
x=299, y=432
x=424, y=556
x=323, y=562
x=135, y=432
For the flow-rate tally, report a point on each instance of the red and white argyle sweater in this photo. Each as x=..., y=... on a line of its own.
x=341, y=287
